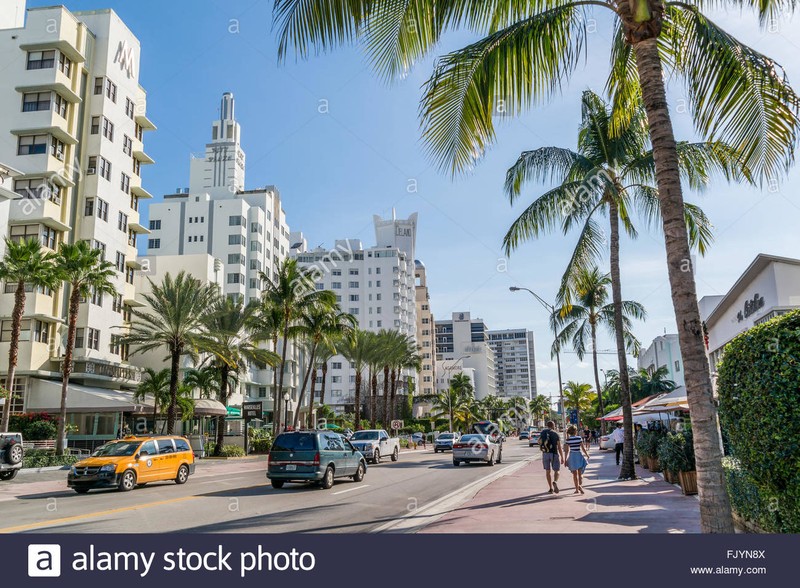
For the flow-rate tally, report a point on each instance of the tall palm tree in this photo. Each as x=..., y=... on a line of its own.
x=612, y=174
x=269, y=323
x=375, y=360
x=577, y=323
x=540, y=407
x=407, y=358
x=647, y=383
x=26, y=264
x=578, y=396
x=529, y=50
x=393, y=348
x=154, y=384
x=174, y=321
x=85, y=273
x=204, y=379
x=232, y=338
x=293, y=294
x=356, y=349
x=446, y=404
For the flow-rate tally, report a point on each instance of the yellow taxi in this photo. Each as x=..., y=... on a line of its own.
x=134, y=461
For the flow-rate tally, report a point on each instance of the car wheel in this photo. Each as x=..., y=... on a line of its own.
x=436, y=450
x=14, y=453
x=376, y=457
x=327, y=479
x=81, y=490
x=277, y=484
x=183, y=474
x=359, y=473
x=456, y=463
x=128, y=481
x=395, y=454
x=9, y=475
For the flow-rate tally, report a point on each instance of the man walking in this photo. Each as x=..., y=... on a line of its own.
x=552, y=455
x=618, y=436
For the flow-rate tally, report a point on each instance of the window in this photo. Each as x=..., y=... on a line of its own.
x=40, y=331
x=353, y=311
x=32, y=145
x=97, y=298
x=236, y=221
x=111, y=90
x=129, y=108
x=102, y=209
x=98, y=86
x=127, y=145
x=108, y=129
x=353, y=284
x=64, y=64
x=353, y=297
x=116, y=303
x=253, y=283
x=336, y=272
x=677, y=365
x=377, y=270
x=94, y=129
x=125, y=183
x=155, y=225
x=154, y=243
x=105, y=168
x=120, y=262
x=138, y=131
x=24, y=232
x=129, y=275
x=380, y=324
x=255, y=246
x=57, y=149
x=36, y=101
x=262, y=393
x=353, y=272
x=336, y=365
x=135, y=203
x=37, y=189
x=236, y=240
x=255, y=264
x=336, y=379
x=49, y=237
x=379, y=310
x=256, y=228
x=378, y=285
x=377, y=296
x=236, y=258
x=91, y=168
x=93, y=338
x=137, y=167
x=336, y=285
x=99, y=245
x=41, y=59
x=235, y=278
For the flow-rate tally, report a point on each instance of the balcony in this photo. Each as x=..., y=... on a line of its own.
x=142, y=157
x=50, y=78
x=47, y=122
x=140, y=192
x=148, y=125
x=61, y=88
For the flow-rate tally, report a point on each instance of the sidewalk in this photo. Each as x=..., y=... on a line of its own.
x=519, y=503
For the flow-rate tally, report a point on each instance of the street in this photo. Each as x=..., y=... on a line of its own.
x=235, y=496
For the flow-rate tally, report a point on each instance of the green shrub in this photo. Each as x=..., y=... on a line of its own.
x=647, y=446
x=759, y=396
x=232, y=451
x=675, y=452
x=41, y=458
x=35, y=426
x=262, y=445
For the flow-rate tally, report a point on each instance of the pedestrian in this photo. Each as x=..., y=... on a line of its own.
x=575, y=461
x=594, y=436
x=619, y=437
x=552, y=455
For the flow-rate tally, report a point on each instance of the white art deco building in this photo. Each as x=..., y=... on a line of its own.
x=515, y=363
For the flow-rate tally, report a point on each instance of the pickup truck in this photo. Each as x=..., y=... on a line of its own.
x=375, y=444
x=11, y=454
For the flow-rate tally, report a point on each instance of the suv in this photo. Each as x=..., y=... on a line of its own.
x=444, y=442
x=11, y=454
x=134, y=461
x=313, y=456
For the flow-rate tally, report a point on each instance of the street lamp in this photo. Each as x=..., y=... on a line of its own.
x=286, y=399
x=552, y=310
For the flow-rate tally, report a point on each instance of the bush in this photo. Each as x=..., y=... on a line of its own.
x=675, y=452
x=39, y=458
x=259, y=440
x=647, y=446
x=759, y=410
x=35, y=426
x=227, y=450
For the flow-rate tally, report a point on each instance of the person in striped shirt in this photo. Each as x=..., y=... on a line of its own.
x=575, y=450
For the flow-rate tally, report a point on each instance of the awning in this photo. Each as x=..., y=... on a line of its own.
x=45, y=396
x=208, y=407
x=234, y=412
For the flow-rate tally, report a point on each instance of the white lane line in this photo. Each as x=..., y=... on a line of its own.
x=350, y=489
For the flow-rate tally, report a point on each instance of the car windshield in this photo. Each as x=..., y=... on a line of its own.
x=485, y=427
x=117, y=448
x=473, y=439
x=364, y=436
x=446, y=436
x=295, y=442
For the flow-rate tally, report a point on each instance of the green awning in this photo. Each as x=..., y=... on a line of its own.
x=234, y=412
x=332, y=426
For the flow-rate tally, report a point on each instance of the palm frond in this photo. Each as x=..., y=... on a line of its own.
x=546, y=164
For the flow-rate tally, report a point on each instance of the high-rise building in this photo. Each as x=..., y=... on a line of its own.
x=464, y=341
x=74, y=117
x=515, y=362
x=374, y=284
x=426, y=334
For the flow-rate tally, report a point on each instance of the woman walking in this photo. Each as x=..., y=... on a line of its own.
x=574, y=458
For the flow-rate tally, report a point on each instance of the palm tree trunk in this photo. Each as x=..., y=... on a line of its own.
x=324, y=378
x=596, y=373
x=13, y=352
x=275, y=389
x=302, y=396
x=311, y=420
x=279, y=392
x=224, y=372
x=386, y=419
x=373, y=404
x=155, y=412
x=357, y=418
x=715, y=507
x=392, y=407
x=66, y=371
x=627, y=470
x=175, y=367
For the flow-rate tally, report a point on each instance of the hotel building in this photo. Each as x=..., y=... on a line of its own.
x=515, y=363
x=426, y=334
x=462, y=343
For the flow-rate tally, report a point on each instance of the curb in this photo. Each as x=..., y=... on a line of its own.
x=45, y=469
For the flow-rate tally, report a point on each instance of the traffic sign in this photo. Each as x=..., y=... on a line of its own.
x=397, y=425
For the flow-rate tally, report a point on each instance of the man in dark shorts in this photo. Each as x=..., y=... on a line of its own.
x=552, y=455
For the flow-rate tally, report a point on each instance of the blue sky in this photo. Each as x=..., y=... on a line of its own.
x=336, y=169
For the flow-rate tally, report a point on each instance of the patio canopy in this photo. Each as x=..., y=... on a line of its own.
x=209, y=407
x=45, y=396
x=669, y=401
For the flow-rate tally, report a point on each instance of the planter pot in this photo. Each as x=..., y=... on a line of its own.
x=688, y=482
x=670, y=476
x=654, y=465
x=644, y=462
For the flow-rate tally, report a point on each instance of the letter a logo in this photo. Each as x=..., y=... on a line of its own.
x=44, y=561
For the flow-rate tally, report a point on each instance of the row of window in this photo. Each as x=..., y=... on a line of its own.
x=38, y=101
x=41, y=144
x=99, y=207
x=48, y=60
x=39, y=189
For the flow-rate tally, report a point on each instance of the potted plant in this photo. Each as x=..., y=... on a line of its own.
x=685, y=464
x=643, y=448
x=670, y=455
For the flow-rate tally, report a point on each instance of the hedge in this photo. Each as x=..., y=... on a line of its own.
x=759, y=410
x=43, y=458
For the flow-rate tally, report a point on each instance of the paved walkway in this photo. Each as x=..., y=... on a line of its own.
x=519, y=503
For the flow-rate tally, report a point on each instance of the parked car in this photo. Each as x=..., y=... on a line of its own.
x=11, y=455
x=523, y=434
x=533, y=436
x=313, y=456
x=375, y=444
x=417, y=438
x=607, y=441
x=477, y=447
x=444, y=442
x=134, y=461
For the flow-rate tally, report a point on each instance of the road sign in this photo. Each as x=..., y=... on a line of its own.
x=397, y=425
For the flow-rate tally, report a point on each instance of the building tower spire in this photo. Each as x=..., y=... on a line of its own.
x=222, y=168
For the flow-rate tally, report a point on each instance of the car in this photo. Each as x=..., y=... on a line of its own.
x=134, y=461
x=11, y=455
x=533, y=436
x=524, y=435
x=477, y=447
x=417, y=438
x=444, y=442
x=607, y=441
x=314, y=456
x=375, y=444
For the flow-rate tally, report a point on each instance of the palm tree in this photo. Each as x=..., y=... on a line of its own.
x=540, y=407
x=86, y=274
x=647, y=383
x=204, y=379
x=27, y=265
x=155, y=384
x=175, y=321
x=577, y=323
x=232, y=338
x=356, y=349
x=527, y=52
x=393, y=349
x=406, y=358
x=613, y=174
x=325, y=352
x=269, y=323
x=292, y=294
x=578, y=396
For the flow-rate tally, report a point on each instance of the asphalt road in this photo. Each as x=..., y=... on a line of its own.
x=235, y=496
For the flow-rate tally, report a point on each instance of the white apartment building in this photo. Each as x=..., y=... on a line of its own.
x=74, y=117
x=664, y=351
x=374, y=284
x=466, y=340
x=426, y=335
x=515, y=363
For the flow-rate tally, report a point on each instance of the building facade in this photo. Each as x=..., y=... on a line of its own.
x=464, y=341
x=74, y=121
x=515, y=363
x=664, y=351
x=426, y=334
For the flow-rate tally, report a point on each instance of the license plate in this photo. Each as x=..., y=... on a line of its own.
x=291, y=468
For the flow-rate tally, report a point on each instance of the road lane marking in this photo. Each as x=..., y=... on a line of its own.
x=90, y=515
x=350, y=489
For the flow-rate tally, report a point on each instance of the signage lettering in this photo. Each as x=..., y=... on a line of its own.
x=750, y=307
x=125, y=58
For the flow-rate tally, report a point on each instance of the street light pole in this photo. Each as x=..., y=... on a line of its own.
x=552, y=310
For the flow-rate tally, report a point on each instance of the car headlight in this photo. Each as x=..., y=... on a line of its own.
x=108, y=468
